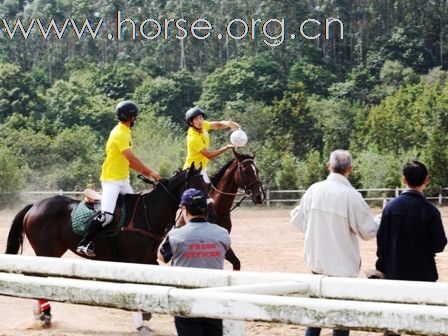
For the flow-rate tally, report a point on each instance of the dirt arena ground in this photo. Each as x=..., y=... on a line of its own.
x=263, y=239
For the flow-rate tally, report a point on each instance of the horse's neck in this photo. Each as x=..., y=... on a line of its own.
x=161, y=210
x=223, y=202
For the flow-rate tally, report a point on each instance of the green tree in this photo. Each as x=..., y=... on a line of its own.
x=402, y=121
x=256, y=78
x=78, y=102
x=10, y=174
x=393, y=76
x=314, y=169
x=30, y=148
x=393, y=73
x=356, y=87
x=378, y=170
x=334, y=120
x=316, y=78
x=293, y=126
x=64, y=100
x=77, y=159
x=268, y=158
x=436, y=76
x=435, y=157
x=287, y=176
x=169, y=96
x=120, y=81
x=159, y=143
x=16, y=95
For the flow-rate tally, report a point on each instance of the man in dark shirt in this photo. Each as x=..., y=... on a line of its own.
x=197, y=244
x=411, y=231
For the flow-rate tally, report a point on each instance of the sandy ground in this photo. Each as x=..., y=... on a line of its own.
x=263, y=239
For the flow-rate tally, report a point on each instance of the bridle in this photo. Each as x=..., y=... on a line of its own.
x=246, y=186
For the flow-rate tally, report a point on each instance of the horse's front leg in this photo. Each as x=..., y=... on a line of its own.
x=233, y=259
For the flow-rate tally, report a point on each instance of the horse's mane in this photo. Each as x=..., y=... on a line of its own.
x=216, y=178
x=159, y=188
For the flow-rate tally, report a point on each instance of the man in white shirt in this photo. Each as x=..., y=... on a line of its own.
x=332, y=213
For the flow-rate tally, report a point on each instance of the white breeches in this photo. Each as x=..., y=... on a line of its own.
x=109, y=196
x=205, y=176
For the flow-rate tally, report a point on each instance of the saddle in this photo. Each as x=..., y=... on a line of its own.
x=90, y=206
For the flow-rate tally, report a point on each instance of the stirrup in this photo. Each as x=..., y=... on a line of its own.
x=88, y=250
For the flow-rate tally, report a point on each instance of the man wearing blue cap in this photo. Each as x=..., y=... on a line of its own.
x=196, y=244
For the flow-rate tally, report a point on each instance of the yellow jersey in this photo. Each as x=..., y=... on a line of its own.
x=116, y=165
x=197, y=141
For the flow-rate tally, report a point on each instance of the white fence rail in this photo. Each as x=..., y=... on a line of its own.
x=272, y=196
x=375, y=305
x=383, y=195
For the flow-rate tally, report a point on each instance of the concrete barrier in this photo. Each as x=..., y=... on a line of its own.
x=375, y=305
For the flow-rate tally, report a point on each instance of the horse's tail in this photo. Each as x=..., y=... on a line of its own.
x=15, y=236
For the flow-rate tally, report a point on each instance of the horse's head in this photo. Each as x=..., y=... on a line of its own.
x=194, y=179
x=247, y=177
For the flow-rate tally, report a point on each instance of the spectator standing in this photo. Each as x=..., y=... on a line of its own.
x=200, y=244
x=411, y=231
x=332, y=214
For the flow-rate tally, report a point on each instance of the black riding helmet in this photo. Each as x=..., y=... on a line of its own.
x=125, y=110
x=193, y=112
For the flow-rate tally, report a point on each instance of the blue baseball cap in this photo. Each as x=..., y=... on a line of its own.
x=194, y=199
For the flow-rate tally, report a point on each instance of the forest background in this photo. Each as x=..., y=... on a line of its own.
x=379, y=89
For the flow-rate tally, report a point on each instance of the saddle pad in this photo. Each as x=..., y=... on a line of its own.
x=81, y=217
x=84, y=212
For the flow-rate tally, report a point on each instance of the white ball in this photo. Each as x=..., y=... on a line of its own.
x=238, y=138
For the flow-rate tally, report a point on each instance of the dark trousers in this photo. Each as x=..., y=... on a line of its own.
x=313, y=331
x=188, y=326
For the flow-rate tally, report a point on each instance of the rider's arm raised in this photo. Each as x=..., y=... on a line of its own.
x=137, y=165
x=210, y=154
x=224, y=124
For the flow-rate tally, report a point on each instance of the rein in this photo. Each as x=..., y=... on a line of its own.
x=148, y=181
x=148, y=231
x=246, y=186
x=238, y=193
x=237, y=204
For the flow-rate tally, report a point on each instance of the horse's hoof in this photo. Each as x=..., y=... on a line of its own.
x=144, y=331
x=146, y=316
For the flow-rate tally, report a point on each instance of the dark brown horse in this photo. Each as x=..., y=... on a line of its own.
x=47, y=224
x=239, y=173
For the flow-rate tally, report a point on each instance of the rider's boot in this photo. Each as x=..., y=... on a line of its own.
x=85, y=246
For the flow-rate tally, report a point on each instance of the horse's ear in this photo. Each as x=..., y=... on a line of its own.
x=253, y=155
x=191, y=169
x=237, y=155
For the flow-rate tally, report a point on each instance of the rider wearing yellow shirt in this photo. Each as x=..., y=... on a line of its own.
x=115, y=172
x=198, y=139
